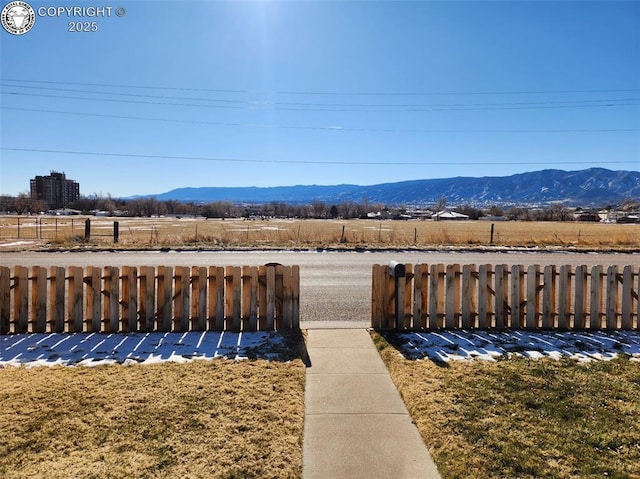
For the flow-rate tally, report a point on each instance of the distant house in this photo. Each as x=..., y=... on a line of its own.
x=449, y=216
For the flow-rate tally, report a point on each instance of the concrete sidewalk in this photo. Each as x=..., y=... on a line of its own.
x=356, y=425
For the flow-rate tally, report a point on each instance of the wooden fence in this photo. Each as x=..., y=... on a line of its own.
x=131, y=299
x=497, y=297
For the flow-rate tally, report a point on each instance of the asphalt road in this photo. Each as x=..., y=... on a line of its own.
x=335, y=287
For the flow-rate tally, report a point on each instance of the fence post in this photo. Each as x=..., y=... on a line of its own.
x=295, y=296
x=398, y=273
x=87, y=229
x=116, y=231
x=377, y=297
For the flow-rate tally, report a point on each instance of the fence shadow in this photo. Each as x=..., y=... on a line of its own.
x=94, y=349
x=442, y=347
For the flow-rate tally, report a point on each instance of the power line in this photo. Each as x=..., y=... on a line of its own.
x=306, y=104
x=338, y=93
x=328, y=128
x=310, y=162
x=608, y=104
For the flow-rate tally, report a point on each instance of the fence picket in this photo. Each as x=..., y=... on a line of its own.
x=262, y=298
x=452, y=280
x=181, y=297
x=147, y=297
x=279, y=294
x=580, y=309
x=21, y=301
x=287, y=303
x=517, y=296
x=165, y=298
x=75, y=299
x=57, y=298
x=39, y=299
x=484, y=299
x=5, y=300
x=564, y=297
x=627, y=298
x=533, y=296
x=295, y=296
x=548, y=297
x=93, y=308
x=198, y=298
x=252, y=292
x=501, y=285
x=377, y=301
x=216, y=298
x=270, y=297
x=436, y=298
x=130, y=299
x=612, y=297
x=469, y=296
x=595, y=306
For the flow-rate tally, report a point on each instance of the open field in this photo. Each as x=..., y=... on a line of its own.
x=159, y=232
x=524, y=418
x=205, y=419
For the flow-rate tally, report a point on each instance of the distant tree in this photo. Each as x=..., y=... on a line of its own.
x=495, y=210
x=441, y=204
x=333, y=211
x=471, y=212
x=319, y=209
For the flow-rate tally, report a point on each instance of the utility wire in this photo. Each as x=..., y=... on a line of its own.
x=309, y=162
x=343, y=105
x=327, y=128
x=607, y=104
x=340, y=93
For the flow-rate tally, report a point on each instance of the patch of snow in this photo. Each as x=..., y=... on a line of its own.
x=91, y=349
x=582, y=346
x=16, y=243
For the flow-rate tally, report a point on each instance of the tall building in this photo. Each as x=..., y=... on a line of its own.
x=55, y=190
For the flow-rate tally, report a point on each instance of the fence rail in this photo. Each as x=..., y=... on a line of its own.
x=439, y=296
x=146, y=298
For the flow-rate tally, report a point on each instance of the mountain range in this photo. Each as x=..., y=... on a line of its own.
x=589, y=187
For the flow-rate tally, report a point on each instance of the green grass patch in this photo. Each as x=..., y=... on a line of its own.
x=522, y=418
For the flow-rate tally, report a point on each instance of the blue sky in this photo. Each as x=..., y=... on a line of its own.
x=270, y=93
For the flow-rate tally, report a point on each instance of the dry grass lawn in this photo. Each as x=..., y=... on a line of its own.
x=191, y=232
x=521, y=418
x=214, y=419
